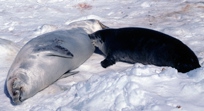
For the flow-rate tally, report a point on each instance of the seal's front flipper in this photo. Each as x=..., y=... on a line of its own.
x=68, y=74
x=54, y=50
x=107, y=62
x=60, y=51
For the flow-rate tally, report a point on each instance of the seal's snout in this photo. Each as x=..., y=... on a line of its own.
x=91, y=36
x=16, y=96
x=15, y=90
x=16, y=93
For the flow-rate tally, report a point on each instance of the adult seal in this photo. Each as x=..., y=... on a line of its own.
x=48, y=57
x=146, y=46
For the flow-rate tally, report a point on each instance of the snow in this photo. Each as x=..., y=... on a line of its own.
x=121, y=87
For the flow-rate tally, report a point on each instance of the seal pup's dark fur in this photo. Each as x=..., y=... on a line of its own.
x=140, y=45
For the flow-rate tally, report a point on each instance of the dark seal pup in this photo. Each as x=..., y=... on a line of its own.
x=140, y=45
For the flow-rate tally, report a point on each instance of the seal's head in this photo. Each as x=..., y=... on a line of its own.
x=17, y=86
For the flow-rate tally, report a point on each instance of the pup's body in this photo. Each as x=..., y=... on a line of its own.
x=139, y=45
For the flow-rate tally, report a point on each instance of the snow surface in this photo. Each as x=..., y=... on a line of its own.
x=121, y=87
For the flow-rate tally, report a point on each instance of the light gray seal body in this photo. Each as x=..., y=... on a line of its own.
x=46, y=58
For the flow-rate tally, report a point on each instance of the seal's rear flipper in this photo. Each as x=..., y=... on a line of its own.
x=68, y=74
x=102, y=25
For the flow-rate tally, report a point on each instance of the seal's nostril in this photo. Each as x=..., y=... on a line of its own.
x=15, y=93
